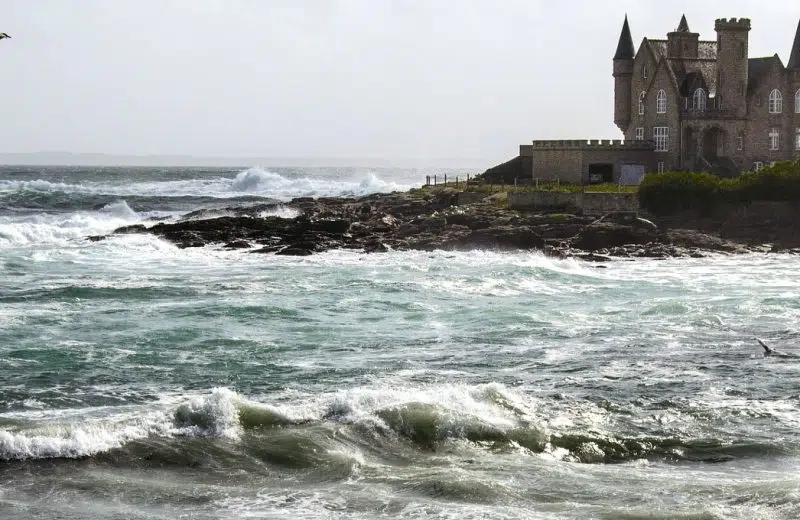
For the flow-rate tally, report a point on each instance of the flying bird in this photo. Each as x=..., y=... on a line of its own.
x=4, y=35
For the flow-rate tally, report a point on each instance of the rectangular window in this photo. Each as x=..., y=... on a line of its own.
x=660, y=166
x=739, y=142
x=640, y=134
x=757, y=166
x=797, y=139
x=774, y=139
x=661, y=138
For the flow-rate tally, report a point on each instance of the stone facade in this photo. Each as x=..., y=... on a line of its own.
x=586, y=162
x=684, y=103
x=705, y=104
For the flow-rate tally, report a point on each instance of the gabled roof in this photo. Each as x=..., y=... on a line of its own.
x=759, y=68
x=794, y=57
x=625, y=49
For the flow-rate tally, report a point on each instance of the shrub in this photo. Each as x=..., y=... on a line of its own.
x=665, y=193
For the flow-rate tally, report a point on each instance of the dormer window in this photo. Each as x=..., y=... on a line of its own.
x=775, y=102
x=699, y=100
x=661, y=102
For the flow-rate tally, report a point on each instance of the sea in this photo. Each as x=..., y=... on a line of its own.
x=143, y=381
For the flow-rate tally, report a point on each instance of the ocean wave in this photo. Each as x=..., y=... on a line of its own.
x=259, y=180
x=485, y=416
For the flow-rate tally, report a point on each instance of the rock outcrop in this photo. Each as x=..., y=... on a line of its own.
x=430, y=219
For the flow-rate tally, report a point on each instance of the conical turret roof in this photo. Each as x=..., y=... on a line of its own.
x=684, y=25
x=625, y=46
x=794, y=57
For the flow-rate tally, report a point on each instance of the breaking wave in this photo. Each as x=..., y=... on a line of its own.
x=383, y=421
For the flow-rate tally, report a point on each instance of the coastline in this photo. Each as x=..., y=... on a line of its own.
x=431, y=219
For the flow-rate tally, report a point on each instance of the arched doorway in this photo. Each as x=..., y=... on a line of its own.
x=713, y=143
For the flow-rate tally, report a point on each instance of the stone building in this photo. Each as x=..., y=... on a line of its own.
x=684, y=103
x=705, y=104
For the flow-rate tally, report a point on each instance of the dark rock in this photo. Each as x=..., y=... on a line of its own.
x=238, y=244
x=295, y=251
x=604, y=235
x=96, y=238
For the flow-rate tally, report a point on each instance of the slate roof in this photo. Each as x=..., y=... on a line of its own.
x=625, y=50
x=794, y=57
x=759, y=68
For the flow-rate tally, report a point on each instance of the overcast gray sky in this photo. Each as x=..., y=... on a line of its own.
x=329, y=78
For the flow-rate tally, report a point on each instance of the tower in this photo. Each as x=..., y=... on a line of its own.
x=682, y=43
x=732, y=78
x=623, y=78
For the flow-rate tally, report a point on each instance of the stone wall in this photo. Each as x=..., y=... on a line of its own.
x=580, y=202
x=569, y=160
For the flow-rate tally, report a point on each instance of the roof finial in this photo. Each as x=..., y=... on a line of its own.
x=625, y=46
x=684, y=25
x=794, y=57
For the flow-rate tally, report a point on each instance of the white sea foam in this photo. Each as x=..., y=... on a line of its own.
x=59, y=229
x=252, y=181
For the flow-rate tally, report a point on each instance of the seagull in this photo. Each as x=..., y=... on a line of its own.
x=4, y=35
x=767, y=350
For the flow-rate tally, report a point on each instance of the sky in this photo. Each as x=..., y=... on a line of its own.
x=397, y=79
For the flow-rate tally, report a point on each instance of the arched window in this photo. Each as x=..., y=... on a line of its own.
x=797, y=102
x=641, y=104
x=661, y=102
x=699, y=100
x=775, y=102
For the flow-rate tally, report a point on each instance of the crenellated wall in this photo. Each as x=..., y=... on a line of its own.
x=569, y=160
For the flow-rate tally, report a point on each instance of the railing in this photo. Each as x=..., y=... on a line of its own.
x=708, y=113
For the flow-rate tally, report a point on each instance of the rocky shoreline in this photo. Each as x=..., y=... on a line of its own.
x=431, y=219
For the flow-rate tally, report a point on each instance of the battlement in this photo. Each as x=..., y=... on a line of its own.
x=592, y=144
x=732, y=24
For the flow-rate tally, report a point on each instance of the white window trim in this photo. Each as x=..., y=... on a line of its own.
x=739, y=142
x=775, y=102
x=757, y=166
x=661, y=138
x=797, y=139
x=660, y=166
x=661, y=102
x=644, y=70
x=640, y=133
x=699, y=100
x=797, y=102
x=774, y=139
x=641, y=103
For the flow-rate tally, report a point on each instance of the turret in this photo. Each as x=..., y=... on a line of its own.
x=623, y=78
x=682, y=43
x=793, y=64
x=732, y=36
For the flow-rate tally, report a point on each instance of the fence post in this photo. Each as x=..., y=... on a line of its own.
x=456, y=181
x=434, y=180
x=445, y=178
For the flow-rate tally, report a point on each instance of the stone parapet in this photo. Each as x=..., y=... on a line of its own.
x=590, y=145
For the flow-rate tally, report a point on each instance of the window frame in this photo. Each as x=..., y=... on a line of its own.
x=639, y=134
x=797, y=139
x=797, y=102
x=661, y=102
x=775, y=102
x=641, y=102
x=661, y=138
x=699, y=100
x=739, y=143
x=774, y=139
x=660, y=167
x=757, y=165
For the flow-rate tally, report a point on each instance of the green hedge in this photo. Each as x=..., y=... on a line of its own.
x=670, y=192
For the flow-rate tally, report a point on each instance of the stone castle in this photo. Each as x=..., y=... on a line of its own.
x=684, y=103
